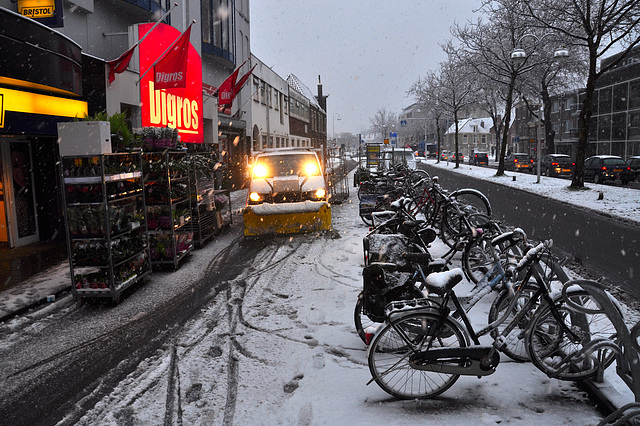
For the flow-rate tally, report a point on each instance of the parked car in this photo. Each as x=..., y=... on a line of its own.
x=601, y=168
x=444, y=155
x=554, y=165
x=479, y=159
x=634, y=165
x=393, y=156
x=459, y=156
x=518, y=161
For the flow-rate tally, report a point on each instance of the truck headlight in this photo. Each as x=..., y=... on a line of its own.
x=311, y=169
x=254, y=196
x=259, y=171
x=320, y=193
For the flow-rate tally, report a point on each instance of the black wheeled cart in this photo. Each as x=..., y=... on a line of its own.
x=167, y=187
x=104, y=211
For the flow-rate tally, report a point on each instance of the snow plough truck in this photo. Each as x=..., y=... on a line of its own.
x=287, y=194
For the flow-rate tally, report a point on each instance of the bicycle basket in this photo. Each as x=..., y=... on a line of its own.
x=388, y=248
x=383, y=284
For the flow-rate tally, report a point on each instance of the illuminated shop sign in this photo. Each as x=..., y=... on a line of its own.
x=34, y=103
x=49, y=12
x=179, y=108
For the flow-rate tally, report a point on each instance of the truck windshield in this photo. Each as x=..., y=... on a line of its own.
x=288, y=165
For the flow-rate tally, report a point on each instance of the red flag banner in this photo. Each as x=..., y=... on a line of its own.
x=171, y=70
x=120, y=64
x=225, y=91
x=238, y=86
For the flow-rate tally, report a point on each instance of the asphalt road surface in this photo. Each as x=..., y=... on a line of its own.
x=602, y=245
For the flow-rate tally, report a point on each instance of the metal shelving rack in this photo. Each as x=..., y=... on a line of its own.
x=208, y=218
x=104, y=212
x=168, y=193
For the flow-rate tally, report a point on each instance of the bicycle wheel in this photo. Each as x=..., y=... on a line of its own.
x=416, y=177
x=361, y=321
x=549, y=343
x=366, y=188
x=477, y=258
x=389, y=353
x=515, y=347
x=472, y=201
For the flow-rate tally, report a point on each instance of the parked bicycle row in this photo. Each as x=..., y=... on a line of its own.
x=419, y=335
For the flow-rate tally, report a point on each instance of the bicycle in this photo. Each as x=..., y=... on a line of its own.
x=421, y=350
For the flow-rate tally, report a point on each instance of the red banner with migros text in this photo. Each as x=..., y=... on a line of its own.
x=175, y=107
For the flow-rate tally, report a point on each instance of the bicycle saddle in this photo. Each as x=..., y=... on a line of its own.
x=441, y=283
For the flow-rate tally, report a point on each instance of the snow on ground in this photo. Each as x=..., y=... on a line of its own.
x=280, y=347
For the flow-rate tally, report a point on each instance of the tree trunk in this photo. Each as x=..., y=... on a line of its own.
x=455, y=117
x=549, y=134
x=507, y=124
x=577, y=180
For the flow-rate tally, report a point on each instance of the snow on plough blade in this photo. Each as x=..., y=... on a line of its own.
x=290, y=218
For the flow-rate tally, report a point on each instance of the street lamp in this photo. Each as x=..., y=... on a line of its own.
x=334, y=126
x=519, y=56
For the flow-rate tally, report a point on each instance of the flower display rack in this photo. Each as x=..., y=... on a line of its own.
x=167, y=188
x=105, y=218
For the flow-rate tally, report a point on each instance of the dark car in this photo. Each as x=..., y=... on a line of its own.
x=518, y=161
x=457, y=156
x=555, y=165
x=479, y=159
x=634, y=165
x=601, y=168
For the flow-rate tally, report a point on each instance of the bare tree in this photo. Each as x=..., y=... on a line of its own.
x=491, y=100
x=488, y=46
x=382, y=122
x=599, y=27
x=553, y=71
x=427, y=92
x=456, y=90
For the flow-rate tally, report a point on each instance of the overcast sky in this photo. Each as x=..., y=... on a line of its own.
x=367, y=52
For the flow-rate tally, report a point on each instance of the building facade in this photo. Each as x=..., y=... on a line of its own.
x=474, y=135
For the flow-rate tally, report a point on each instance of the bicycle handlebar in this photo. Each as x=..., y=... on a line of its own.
x=513, y=237
x=532, y=255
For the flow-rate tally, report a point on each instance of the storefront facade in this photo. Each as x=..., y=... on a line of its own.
x=40, y=85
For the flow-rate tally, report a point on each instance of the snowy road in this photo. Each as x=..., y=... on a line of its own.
x=267, y=338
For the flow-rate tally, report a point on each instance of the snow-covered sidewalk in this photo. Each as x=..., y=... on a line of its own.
x=618, y=202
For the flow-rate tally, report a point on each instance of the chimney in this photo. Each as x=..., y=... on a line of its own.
x=322, y=99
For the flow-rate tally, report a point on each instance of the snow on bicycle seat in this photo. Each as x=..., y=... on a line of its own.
x=441, y=283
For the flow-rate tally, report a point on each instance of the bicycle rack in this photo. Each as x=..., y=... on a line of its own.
x=627, y=350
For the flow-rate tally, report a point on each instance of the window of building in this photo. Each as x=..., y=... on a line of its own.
x=276, y=100
x=256, y=90
x=634, y=94
x=286, y=104
x=283, y=107
x=619, y=127
x=270, y=141
x=263, y=94
x=604, y=101
x=604, y=128
x=633, y=129
x=620, y=97
x=218, y=28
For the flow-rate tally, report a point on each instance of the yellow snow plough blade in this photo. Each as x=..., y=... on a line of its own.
x=290, y=218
